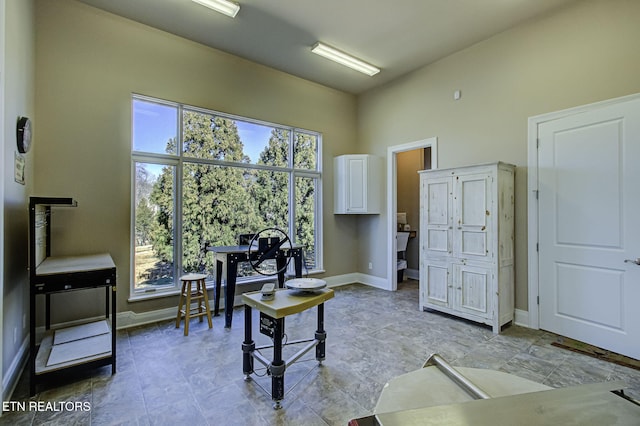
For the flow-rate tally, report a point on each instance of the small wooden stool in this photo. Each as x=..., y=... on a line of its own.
x=189, y=294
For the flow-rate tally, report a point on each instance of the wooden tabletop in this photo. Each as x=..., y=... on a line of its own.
x=286, y=302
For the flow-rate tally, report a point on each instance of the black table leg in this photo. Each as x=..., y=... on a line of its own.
x=114, y=297
x=230, y=292
x=321, y=335
x=248, y=346
x=216, y=296
x=47, y=310
x=32, y=340
x=280, y=266
x=297, y=261
x=277, y=366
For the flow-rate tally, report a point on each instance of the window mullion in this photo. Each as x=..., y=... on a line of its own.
x=177, y=217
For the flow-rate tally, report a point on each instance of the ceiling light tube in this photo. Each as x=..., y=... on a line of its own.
x=344, y=59
x=226, y=7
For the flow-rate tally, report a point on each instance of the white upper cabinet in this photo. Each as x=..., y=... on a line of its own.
x=357, y=184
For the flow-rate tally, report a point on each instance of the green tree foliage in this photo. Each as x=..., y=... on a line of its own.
x=162, y=199
x=305, y=158
x=144, y=222
x=270, y=189
x=145, y=216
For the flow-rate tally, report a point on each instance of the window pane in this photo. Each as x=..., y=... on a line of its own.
x=154, y=225
x=211, y=137
x=305, y=219
x=155, y=127
x=271, y=151
x=305, y=151
x=220, y=203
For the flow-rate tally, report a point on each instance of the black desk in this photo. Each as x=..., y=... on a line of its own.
x=230, y=256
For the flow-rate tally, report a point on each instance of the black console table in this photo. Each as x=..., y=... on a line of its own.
x=228, y=258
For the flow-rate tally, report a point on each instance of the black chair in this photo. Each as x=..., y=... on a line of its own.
x=245, y=239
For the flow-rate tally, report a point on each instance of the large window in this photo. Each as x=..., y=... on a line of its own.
x=201, y=178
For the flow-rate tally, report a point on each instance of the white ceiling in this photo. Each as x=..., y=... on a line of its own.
x=398, y=36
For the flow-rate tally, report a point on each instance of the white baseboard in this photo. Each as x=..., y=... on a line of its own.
x=521, y=318
x=372, y=281
x=132, y=319
x=11, y=377
x=338, y=280
x=413, y=274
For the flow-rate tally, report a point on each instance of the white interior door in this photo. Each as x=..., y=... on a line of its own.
x=589, y=224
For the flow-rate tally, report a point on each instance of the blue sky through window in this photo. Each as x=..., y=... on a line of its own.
x=154, y=124
x=255, y=138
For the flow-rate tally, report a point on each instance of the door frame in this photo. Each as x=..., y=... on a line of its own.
x=392, y=202
x=532, y=195
x=2, y=183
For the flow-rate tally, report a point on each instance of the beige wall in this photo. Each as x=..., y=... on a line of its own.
x=88, y=64
x=584, y=53
x=19, y=100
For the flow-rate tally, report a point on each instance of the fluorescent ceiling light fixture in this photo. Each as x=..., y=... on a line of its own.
x=226, y=7
x=344, y=59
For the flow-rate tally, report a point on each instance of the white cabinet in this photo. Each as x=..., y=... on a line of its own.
x=357, y=184
x=467, y=243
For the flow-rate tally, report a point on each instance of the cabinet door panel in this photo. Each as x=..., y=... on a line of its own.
x=473, y=206
x=471, y=286
x=356, y=184
x=437, y=216
x=436, y=283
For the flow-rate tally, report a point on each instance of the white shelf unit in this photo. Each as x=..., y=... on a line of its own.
x=85, y=346
x=88, y=345
x=467, y=243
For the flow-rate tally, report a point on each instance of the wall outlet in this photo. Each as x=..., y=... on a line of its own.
x=370, y=265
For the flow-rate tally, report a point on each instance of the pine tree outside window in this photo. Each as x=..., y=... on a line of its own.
x=201, y=178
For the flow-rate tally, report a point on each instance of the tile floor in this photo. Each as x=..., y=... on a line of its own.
x=373, y=335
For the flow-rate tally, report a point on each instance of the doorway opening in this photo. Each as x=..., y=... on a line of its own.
x=404, y=185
